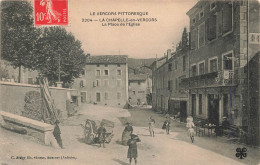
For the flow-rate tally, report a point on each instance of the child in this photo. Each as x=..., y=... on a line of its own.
x=132, y=150
x=151, y=126
x=167, y=125
x=190, y=126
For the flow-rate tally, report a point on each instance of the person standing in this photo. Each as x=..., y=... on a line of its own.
x=132, y=150
x=190, y=125
x=57, y=132
x=127, y=133
x=102, y=134
x=167, y=125
x=151, y=126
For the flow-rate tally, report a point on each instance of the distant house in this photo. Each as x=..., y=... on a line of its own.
x=104, y=81
x=140, y=86
x=10, y=74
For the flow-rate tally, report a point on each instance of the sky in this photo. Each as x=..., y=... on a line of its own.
x=144, y=41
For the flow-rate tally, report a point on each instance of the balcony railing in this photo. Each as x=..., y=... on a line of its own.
x=222, y=78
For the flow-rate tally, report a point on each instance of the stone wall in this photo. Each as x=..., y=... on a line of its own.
x=12, y=97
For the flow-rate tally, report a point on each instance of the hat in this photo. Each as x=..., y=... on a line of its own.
x=127, y=123
x=189, y=119
x=134, y=136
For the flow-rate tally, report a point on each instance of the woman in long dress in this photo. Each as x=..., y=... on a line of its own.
x=190, y=125
x=127, y=133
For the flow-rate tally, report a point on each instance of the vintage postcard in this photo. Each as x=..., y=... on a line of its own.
x=118, y=82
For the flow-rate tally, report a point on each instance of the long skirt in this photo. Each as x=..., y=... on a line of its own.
x=125, y=137
x=191, y=132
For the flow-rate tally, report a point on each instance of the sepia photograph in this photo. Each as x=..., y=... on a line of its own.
x=127, y=82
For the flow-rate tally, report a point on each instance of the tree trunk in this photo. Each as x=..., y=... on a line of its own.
x=20, y=74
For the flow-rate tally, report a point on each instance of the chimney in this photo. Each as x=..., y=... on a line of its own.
x=168, y=54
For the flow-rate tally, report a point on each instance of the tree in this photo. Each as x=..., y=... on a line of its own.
x=184, y=40
x=18, y=35
x=59, y=56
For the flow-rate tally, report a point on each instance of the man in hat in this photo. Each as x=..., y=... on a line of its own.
x=57, y=132
x=225, y=123
x=102, y=134
x=132, y=150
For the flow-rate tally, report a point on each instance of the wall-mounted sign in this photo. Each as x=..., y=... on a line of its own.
x=254, y=38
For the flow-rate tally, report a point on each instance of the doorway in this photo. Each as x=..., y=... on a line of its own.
x=83, y=97
x=183, y=111
x=193, y=105
x=98, y=97
x=213, y=109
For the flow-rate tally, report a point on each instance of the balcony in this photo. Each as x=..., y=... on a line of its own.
x=222, y=78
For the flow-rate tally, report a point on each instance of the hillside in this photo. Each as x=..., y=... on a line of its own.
x=137, y=65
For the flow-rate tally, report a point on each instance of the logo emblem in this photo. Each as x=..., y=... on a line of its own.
x=241, y=153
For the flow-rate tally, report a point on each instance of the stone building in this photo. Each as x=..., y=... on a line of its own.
x=139, y=88
x=157, y=101
x=168, y=96
x=224, y=37
x=105, y=80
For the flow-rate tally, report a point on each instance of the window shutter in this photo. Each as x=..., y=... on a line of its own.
x=193, y=38
x=219, y=23
x=201, y=35
x=211, y=27
x=227, y=18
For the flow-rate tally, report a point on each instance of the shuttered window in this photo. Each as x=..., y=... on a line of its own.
x=211, y=27
x=202, y=34
x=194, y=70
x=213, y=65
x=193, y=39
x=227, y=18
x=219, y=23
x=201, y=68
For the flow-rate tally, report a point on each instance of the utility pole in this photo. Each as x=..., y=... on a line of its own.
x=59, y=67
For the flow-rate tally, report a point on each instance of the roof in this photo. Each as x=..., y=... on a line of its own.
x=137, y=77
x=196, y=7
x=107, y=59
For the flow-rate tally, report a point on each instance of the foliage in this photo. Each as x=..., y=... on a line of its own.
x=18, y=35
x=183, y=44
x=184, y=39
x=56, y=46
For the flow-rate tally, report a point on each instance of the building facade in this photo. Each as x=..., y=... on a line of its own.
x=105, y=80
x=224, y=38
x=211, y=79
x=168, y=96
x=140, y=86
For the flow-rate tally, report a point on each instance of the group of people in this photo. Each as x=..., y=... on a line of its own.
x=166, y=125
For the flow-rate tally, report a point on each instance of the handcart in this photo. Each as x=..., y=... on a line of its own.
x=91, y=134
